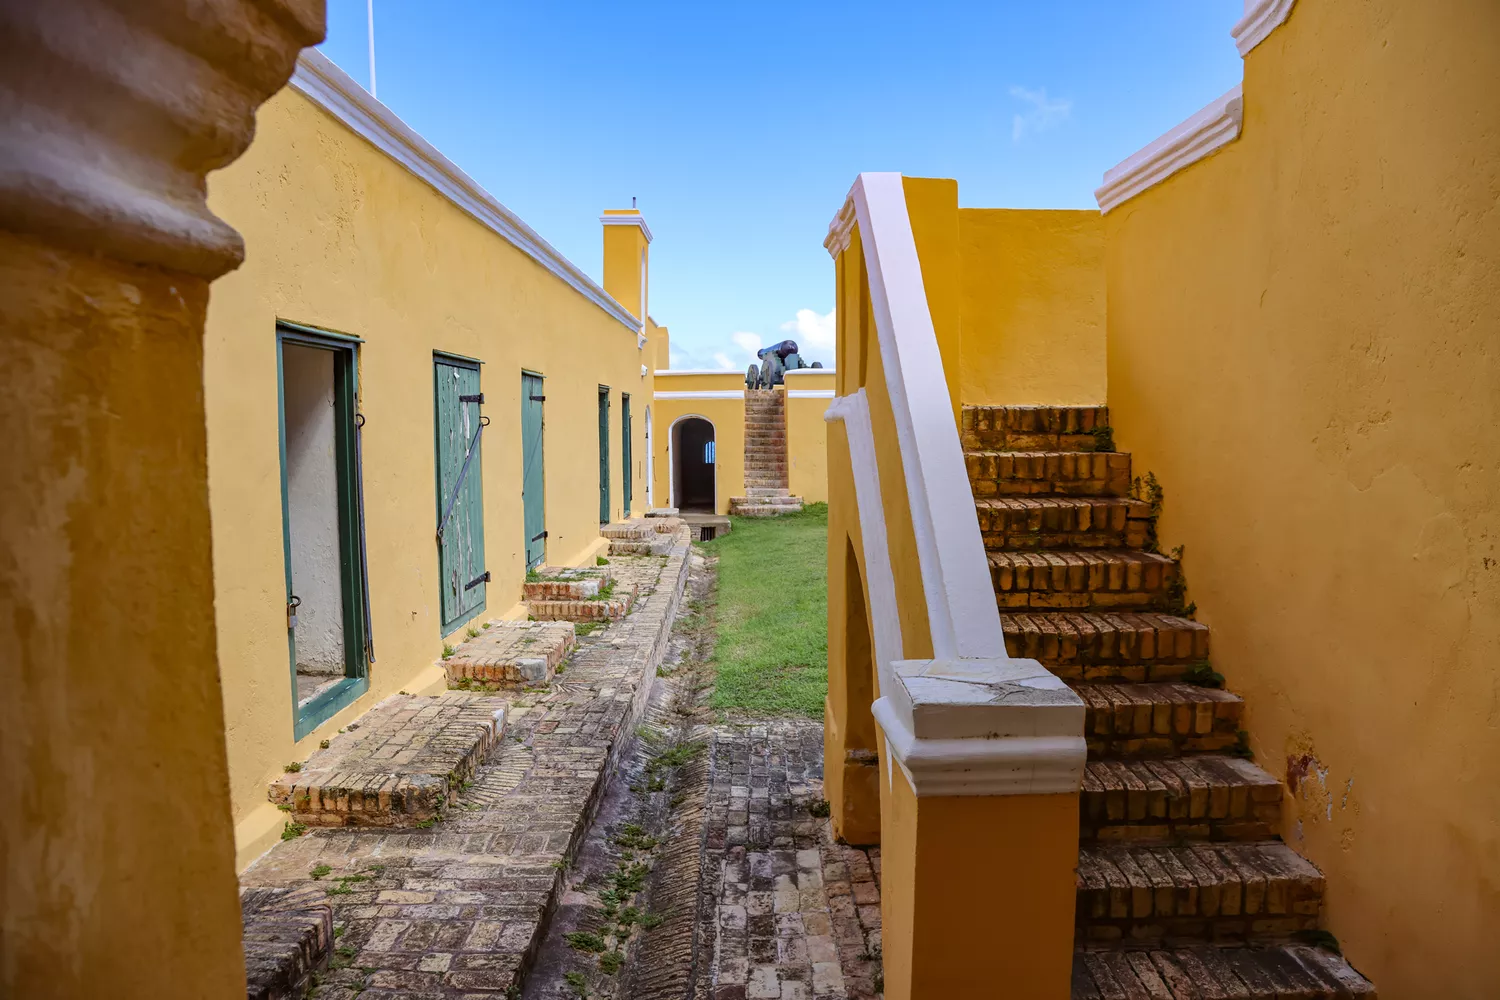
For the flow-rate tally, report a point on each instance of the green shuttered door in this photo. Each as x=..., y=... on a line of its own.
x=460, y=492
x=627, y=471
x=533, y=492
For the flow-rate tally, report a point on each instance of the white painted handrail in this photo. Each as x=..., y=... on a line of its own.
x=960, y=598
x=971, y=720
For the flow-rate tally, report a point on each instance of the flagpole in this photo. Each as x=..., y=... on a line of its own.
x=370, y=19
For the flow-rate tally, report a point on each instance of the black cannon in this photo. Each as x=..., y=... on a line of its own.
x=775, y=362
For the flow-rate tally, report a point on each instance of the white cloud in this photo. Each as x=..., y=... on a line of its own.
x=815, y=335
x=1045, y=112
x=813, y=332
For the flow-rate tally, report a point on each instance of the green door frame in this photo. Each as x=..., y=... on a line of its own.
x=604, y=510
x=466, y=595
x=533, y=469
x=627, y=471
x=352, y=581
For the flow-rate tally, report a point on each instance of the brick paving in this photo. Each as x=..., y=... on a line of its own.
x=796, y=915
x=457, y=909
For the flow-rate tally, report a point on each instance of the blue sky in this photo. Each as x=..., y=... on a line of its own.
x=739, y=127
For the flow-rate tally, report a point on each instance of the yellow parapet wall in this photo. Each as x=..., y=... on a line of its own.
x=1302, y=347
x=808, y=393
x=341, y=237
x=1033, y=307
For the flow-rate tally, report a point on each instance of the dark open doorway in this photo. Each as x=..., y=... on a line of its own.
x=693, y=464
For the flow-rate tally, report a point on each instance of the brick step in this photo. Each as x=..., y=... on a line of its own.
x=1063, y=473
x=288, y=937
x=1107, y=645
x=566, y=583
x=767, y=491
x=783, y=500
x=401, y=767
x=1158, y=720
x=1220, y=893
x=1279, y=972
x=603, y=606
x=1208, y=797
x=763, y=510
x=1084, y=578
x=1031, y=428
x=1026, y=523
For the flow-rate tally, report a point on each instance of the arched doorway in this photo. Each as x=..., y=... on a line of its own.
x=691, y=451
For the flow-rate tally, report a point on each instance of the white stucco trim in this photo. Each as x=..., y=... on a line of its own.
x=809, y=394
x=853, y=411
x=628, y=220
x=1261, y=18
x=699, y=371
x=798, y=373
x=1186, y=144
x=955, y=576
x=701, y=394
x=970, y=721
x=335, y=91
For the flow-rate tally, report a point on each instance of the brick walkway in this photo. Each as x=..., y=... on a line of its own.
x=457, y=909
x=796, y=915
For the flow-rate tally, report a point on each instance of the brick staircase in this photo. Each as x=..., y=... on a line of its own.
x=766, y=486
x=1184, y=887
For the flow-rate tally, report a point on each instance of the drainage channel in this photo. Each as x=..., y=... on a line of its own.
x=627, y=921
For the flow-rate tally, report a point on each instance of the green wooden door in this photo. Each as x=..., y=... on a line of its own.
x=460, y=490
x=627, y=471
x=603, y=455
x=533, y=492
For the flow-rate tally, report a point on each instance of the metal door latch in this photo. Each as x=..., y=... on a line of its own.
x=482, y=578
x=292, y=605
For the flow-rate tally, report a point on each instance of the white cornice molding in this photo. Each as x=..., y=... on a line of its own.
x=336, y=92
x=1203, y=133
x=840, y=230
x=628, y=220
x=701, y=394
x=1261, y=18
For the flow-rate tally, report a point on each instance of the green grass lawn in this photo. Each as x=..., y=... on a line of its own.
x=772, y=650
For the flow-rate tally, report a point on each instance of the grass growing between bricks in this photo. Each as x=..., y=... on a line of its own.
x=772, y=614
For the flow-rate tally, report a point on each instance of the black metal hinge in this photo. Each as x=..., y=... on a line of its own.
x=537, y=538
x=477, y=397
x=538, y=399
x=482, y=578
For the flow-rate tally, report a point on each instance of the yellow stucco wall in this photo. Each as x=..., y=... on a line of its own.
x=807, y=433
x=727, y=414
x=341, y=237
x=1033, y=306
x=1303, y=347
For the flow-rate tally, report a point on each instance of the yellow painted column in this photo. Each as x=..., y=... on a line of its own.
x=117, y=873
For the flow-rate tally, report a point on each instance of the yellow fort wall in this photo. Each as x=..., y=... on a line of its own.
x=1303, y=347
x=344, y=238
x=808, y=393
x=1032, y=284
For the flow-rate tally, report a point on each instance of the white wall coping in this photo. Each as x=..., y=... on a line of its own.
x=799, y=372
x=700, y=394
x=627, y=219
x=971, y=721
x=1261, y=18
x=699, y=371
x=809, y=394
x=1205, y=132
x=329, y=87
